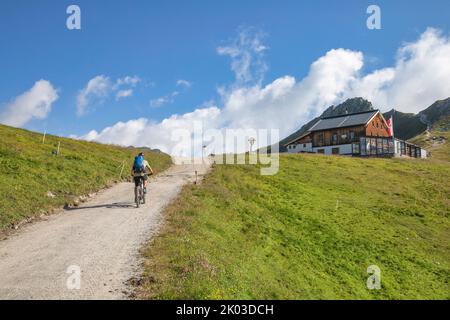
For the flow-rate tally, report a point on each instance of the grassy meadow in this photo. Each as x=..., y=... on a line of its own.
x=309, y=232
x=439, y=147
x=29, y=172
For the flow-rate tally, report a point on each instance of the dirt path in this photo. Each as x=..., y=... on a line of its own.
x=102, y=238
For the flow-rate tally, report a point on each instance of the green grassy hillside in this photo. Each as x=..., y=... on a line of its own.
x=309, y=232
x=29, y=171
x=436, y=142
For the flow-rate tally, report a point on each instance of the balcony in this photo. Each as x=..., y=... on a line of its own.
x=337, y=141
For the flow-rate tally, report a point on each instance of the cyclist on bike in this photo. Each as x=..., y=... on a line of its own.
x=139, y=170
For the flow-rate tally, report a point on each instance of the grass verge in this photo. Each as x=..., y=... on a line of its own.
x=33, y=181
x=309, y=232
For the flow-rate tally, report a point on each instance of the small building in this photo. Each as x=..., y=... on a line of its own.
x=358, y=134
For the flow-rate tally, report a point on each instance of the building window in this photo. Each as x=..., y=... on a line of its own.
x=335, y=151
x=352, y=135
x=385, y=145
x=391, y=146
x=304, y=145
x=379, y=144
x=320, y=138
x=363, y=146
x=373, y=146
x=334, y=137
x=355, y=148
x=321, y=151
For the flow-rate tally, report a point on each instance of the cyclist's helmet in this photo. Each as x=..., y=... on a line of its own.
x=141, y=154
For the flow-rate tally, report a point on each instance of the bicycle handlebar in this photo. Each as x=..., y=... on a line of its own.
x=142, y=174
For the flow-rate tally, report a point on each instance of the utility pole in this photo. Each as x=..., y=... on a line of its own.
x=203, y=151
x=252, y=142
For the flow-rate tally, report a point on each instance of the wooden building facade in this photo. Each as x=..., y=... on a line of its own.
x=357, y=134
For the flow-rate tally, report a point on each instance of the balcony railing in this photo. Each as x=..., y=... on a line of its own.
x=338, y=141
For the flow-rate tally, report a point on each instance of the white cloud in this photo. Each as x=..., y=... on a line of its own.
x=247, y=56
x=124, y=94
x=143, y=132
x=35, y=103
x=420, y=76
x=159, y=102
x=121, y=133
x=127, y=80
x=170, y=98
x=97, y=89
x=286, y=103
x=184, y=83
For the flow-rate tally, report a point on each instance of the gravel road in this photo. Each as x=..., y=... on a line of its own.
x=88, y=252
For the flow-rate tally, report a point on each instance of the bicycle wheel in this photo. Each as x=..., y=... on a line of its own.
x=141, y=192
x=136, y=197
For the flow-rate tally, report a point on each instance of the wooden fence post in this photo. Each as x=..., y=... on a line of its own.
x=121, y=170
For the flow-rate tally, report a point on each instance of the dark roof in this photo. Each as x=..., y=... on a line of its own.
x=298, y=138
x=342, y=121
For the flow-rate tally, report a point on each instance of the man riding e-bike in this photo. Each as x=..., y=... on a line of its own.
x=139, y=171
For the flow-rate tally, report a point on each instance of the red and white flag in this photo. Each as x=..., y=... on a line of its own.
x=390, y=124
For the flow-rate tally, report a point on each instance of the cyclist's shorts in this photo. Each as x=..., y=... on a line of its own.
x=136, y=181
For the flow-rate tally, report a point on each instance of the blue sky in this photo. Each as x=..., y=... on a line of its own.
x=162, y=42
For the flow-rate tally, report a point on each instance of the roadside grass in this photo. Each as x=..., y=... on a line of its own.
x=29, y=170
x=309, y=232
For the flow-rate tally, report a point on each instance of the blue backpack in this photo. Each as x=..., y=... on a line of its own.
x=138, y=165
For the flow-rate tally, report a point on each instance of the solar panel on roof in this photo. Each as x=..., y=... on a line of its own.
x=343, y=121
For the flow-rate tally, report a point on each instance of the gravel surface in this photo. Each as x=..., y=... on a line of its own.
x=99, y=241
